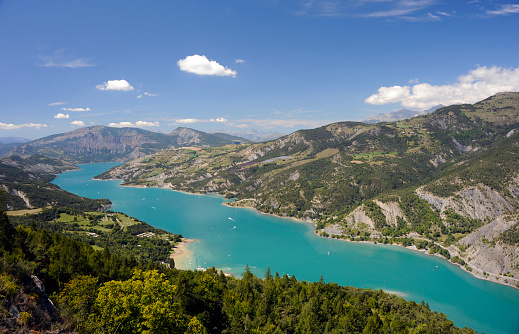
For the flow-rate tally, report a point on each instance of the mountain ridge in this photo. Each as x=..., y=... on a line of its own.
x=102, y=144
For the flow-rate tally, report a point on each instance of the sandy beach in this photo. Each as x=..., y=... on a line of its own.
x=182, y=254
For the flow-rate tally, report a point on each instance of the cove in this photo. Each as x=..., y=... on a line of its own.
x=230, y=238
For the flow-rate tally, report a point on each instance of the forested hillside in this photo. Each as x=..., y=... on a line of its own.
x=429, y=181
x=99, y=291
x=25, y=184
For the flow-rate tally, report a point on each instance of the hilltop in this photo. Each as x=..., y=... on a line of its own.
x=444, y=182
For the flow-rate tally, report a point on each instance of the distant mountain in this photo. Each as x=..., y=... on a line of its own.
x=103, y=144
x=399, y=115
x=446, y=182
x=13, y=140
x=6, y=148
x=191, y=137
x=254, y=135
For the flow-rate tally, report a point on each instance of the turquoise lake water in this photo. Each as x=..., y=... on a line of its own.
x=230, y=238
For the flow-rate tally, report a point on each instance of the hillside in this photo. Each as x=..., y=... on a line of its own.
x=377, y=182
x=103, y=144
x=25, y=184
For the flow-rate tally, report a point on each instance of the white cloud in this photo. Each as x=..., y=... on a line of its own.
x=219, y=120
x=477, y=85
x=115, y=85
x=186, y=120
x=77, y=123
x=75, y=109
x=239, y=61
x=57, y=103
x=60, y=115
x=5, y=126
x=138, y=124
x=60, y=59
x=505, y=10
x=143, y=123
x=202, y=66
x=147, y=94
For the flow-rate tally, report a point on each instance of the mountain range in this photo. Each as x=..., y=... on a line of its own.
x=399, y=115
x=445, y=182
x=102, y=144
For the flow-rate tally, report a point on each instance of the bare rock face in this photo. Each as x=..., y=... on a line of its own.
x=487, y=253
x=359, y=216
x=391, y=210
x=482, y=250
x=478, y=202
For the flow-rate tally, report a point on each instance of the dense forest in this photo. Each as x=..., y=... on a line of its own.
x=100, y=291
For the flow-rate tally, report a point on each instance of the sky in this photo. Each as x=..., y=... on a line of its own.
x=239, y=65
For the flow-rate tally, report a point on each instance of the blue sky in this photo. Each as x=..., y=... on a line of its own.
x=267, y=65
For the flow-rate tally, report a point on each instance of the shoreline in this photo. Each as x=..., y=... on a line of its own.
x=478, y=274
x=182, y=255
x=491, y=277
x=476, y=271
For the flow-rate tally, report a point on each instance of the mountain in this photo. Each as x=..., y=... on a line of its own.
x=191, y=137
x=399, y=115
x=445, y=182
x=254, y=136
x=25, y=184
x=14, y=140
x=102, y=144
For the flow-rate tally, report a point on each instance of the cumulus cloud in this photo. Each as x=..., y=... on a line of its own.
x=239, y=61
x=5, y=126
x=60, y=59
x=60, y=115
x=505, y=10
x=186, y=120
x=219, y=120
x=472, y=87
x=202, y=66
x=147, y=94
x=115, y=85
x=75, y=109
x=78, y=123
x=138, y=124
x=57, y=103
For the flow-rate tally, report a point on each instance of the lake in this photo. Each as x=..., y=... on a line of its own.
x=230, y=238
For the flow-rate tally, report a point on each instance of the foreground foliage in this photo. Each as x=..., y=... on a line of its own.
x=100, y=292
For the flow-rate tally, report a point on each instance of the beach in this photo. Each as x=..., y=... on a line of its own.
x=183, y=254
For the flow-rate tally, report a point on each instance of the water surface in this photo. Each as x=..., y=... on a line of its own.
x=230, y=238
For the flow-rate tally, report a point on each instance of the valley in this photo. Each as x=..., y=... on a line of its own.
x=443, y=183
x=437, y=181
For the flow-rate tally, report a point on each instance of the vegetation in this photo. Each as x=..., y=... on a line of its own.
x=99, y=292
x=26, y=182
x=109, y=230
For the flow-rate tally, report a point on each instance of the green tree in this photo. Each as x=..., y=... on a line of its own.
x=195, y=327
x=143, y=303
x=76, y=301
